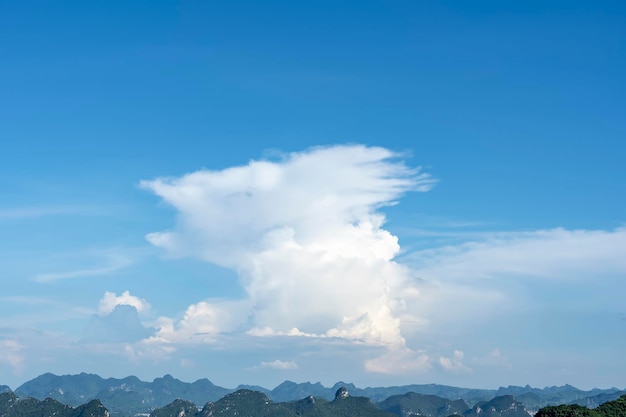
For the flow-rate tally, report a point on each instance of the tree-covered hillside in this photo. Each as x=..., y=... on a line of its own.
x=256, y=404
x=616, y=408
x=12, y=406
x=411, y=404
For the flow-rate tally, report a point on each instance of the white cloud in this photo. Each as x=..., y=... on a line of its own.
x=278, y=365
x=305, y=235
x=111, y=299
x=11, y=354
x=148, y=350
x=455, y=363
x=202, y=322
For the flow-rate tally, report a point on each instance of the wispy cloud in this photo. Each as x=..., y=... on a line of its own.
x=554, y=253
x=14, y=213
x=110, y=261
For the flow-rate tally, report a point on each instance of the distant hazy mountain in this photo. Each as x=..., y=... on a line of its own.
x=4, y=388
x=536, y=398
x=125, y=396
x=290, y=391
x=596, y=400
x=615, y=408
x=12, y=406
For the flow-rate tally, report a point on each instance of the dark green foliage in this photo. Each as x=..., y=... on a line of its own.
x=7, y=399
x=412, y=403
x=615, y=408
x=93, y=408
x=571, y=410
x=353, y=407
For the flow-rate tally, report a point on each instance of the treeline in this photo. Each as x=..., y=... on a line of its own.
x=616, y=408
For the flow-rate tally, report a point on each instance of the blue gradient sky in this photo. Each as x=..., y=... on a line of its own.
x=516, y=251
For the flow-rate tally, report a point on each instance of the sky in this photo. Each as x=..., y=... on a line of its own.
x=376, y=192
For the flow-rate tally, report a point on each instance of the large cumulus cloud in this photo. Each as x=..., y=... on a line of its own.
x=306, y=236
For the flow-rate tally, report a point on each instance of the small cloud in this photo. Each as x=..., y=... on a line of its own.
x=399, y=361
x=202, y=322
x=110, y=300
x=278, y=365
x=11, y=354
x=268, y=331
x=455, y=363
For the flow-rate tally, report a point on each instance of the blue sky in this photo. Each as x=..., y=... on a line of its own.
x=382, y=192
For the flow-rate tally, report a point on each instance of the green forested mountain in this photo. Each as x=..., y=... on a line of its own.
x=248, y=403
x=12, y=406
x=256, y=404
x=126, y=396
x=130, y=396
x=502, y=406
x=616, y=408
x=178, y=408
x=132, y=393
x=411, y=404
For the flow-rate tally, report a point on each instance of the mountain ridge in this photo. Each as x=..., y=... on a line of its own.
x=132, y=395
x=249, y=403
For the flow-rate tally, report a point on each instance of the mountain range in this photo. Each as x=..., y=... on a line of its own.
x=130, y=396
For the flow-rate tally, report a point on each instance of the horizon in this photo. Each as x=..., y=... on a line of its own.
x=381, y=193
